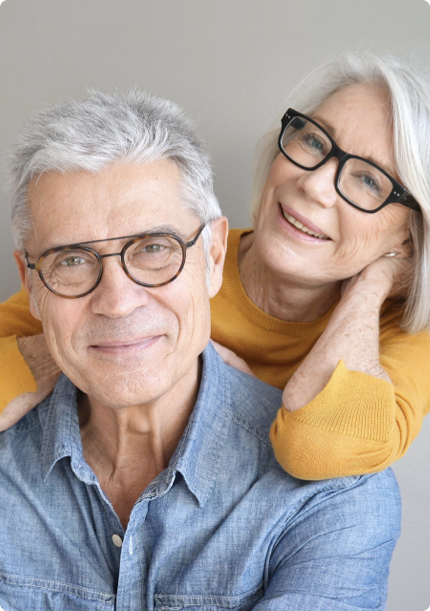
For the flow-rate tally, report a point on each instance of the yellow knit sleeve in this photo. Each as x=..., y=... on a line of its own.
x=15, y=320
x=358, y=423
x=15, y=375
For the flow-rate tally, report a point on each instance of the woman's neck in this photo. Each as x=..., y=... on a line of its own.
x=282, y=298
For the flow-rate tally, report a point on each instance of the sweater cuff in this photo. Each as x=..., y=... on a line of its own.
x=15, y=375
x=352, y=403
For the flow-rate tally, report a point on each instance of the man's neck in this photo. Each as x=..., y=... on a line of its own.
x=128, y=447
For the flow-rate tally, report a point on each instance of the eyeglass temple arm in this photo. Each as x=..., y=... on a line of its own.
x=29, y=265
x=196, y=237
x=408, y=200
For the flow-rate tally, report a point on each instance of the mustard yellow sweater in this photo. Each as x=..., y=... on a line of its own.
x=357, y=424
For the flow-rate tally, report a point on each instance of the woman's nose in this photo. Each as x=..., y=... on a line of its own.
x=319, y=184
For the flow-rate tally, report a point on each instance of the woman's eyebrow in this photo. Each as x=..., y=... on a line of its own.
x=384, y=166
x=332, y=131
x=327, y=126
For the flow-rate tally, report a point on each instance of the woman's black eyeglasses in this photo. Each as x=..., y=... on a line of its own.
x=359, y=181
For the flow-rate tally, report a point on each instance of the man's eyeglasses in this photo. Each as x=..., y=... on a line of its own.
x=360, y=182
x=149, y=259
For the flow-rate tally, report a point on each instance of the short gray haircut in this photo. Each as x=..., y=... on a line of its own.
x=103, y=129
x=409, y=99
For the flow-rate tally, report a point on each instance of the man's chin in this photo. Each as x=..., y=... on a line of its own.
x=118, y=382
x=119, y=392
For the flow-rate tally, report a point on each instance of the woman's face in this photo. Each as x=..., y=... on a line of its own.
x=345, y=239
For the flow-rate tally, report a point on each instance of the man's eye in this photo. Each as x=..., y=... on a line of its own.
x=73, y=261
x=152, y=248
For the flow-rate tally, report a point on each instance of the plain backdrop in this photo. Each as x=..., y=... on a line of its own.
x=230, y=64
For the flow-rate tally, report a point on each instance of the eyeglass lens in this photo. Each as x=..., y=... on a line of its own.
x=360, y=182
x=151, y=260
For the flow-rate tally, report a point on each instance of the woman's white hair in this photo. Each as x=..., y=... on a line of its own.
x=409, y=98
x=104, y=129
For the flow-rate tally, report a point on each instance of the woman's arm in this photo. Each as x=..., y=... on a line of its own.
x=27, y=372
x=352, y=335
x=358, y=400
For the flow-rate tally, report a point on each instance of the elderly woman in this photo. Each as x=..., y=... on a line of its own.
x=329, y=295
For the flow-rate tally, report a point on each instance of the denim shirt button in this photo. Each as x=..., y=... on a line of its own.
x=117, y=540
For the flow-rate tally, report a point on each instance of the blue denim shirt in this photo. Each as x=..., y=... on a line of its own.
x=222, y=528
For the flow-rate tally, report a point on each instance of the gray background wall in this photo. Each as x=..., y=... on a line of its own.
x=230, y=64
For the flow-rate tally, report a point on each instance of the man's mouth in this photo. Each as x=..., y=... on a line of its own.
x=125, y=346
x=301, y=226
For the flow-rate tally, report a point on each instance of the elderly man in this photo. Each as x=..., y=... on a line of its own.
x=147, y=480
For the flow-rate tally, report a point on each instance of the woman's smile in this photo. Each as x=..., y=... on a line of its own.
x=301, y=227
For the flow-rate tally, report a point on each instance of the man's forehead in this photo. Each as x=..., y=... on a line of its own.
x=122, y=200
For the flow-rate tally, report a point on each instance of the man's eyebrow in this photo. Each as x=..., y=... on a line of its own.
x=166, y=228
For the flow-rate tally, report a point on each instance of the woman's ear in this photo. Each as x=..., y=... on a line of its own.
x=217, y=253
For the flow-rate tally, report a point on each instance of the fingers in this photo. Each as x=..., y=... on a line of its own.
x=231, y=358
x=403, y=250
x=18, y=407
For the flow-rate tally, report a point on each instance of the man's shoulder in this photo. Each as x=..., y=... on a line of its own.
x=23, y=441
x=33, y=425
x=27, y=424
x=254, y=403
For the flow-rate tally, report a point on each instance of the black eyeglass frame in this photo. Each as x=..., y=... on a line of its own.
x=398, y=194
x=132, y=240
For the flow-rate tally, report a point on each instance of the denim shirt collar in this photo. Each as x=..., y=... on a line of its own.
x=200, y=448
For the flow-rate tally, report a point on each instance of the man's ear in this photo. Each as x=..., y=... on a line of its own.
x=217, y=253
x=24, y=274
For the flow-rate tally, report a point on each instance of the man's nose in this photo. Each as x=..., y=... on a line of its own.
x=117, y=295
x=319, y=184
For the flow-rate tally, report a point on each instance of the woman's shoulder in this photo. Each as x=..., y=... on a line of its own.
x=15, y=316
x=391, y=318
x=20, y=298
x=235, y=236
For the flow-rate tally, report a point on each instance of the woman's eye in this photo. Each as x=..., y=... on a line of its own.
x=370, y=182
x=314, y=142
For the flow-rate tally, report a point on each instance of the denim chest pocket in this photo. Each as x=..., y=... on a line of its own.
x=37, y=595
x=204, y=602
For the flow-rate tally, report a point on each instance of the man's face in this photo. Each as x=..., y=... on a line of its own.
x=123, y=344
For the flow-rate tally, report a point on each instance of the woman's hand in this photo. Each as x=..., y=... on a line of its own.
x=387, y=277
x=231, y=358
x=45, y=372
x=352, y=334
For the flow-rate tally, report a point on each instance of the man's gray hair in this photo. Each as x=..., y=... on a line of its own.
x=90, y=135
x=409, y=107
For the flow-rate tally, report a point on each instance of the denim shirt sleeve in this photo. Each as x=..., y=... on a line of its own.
x=335, y=555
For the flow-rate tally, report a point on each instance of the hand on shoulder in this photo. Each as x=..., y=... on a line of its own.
x=45, y=372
